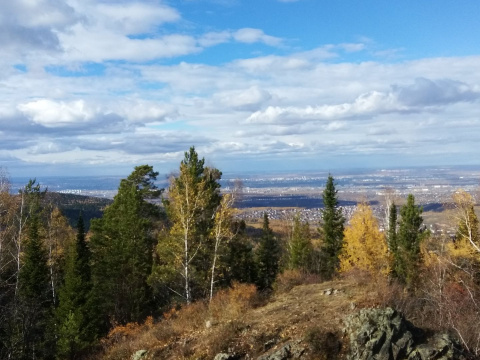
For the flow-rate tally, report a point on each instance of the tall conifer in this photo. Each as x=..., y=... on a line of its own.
x=35, y=299
x=407, y=254
x=74, y=331
x=331, y=228
x=268, y=257
x=122, y=245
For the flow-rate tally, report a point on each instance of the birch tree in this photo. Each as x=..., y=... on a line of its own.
x=193, y=196
x=221, y=231
x=468, y=236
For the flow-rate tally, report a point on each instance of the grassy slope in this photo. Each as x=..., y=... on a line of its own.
x=288, y=315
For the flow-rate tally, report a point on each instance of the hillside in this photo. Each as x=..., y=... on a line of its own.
x=70, y=205
x=301, y=322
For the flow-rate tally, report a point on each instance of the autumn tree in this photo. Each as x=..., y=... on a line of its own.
x=331, y=228
x=299, y=245
x=467, y=241
x=122, y=245
x=364, y=246
x=407, y=254
x=58, y=237
x=267, y=257
x=221, y=231
x=184, y=251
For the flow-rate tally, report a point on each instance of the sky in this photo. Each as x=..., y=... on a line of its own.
x=96, y=87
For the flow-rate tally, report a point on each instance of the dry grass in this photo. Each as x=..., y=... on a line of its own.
x=237, y=324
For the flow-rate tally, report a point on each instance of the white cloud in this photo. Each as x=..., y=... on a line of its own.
x=250, y=36
x=249, y=99
x=419, y=97
x=136, y=17
x=56, y=114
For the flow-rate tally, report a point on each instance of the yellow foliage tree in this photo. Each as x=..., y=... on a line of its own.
x=467, y=243
x=364, y=244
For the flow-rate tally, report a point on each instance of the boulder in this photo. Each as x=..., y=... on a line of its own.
x=289, y=350
x=384, y=334
x=140, y=354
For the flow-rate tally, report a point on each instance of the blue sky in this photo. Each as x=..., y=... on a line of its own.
x=93, y=87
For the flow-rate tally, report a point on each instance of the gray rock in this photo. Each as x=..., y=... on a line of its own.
x=290, y=350
x=384, y=334
x=140, y=354
x=223, y=356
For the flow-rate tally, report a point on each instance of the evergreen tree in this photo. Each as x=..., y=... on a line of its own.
x=239, y=261
x=331, y=229
x=407, y=254
x=392, y=228
x=122, y=245
x=267, y=257
x=74, y=330
x=35, y=316
x=300, y=246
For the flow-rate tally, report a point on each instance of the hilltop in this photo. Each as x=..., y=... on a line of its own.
x=303, y=321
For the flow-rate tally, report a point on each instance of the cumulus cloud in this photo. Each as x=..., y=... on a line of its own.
x=30, y=26
x=248, y=100
x=244, y=35
x=136, y=17
x=421, y=96
x=151, y=142
x=249, y=36
x=78, y=116
x=426, y=92
x=56, y=114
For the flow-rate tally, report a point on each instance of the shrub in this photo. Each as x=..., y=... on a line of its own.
x=287, y=280
x=231, y=304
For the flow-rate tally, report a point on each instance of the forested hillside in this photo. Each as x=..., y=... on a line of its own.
x=67, y=290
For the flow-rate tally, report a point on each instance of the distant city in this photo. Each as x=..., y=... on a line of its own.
x=429, y=185
x=281, y=195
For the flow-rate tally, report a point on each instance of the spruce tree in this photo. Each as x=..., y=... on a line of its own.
x=74, y=330
x=331, y=228
x=392, y=229
x=122, y=245
x=407, y=254
x=267, y=257
x=300, y=246
x=239, y=262
x=36, y=306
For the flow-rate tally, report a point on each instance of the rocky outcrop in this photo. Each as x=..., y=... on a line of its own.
x=290, y=350
x=384, y=334
x=140, y=354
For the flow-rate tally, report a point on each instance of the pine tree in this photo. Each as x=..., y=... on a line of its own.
x=392, y=228
x=267, y=257
x=122, y=245
x=35, y=317
x=331, y=228
x=300, y=246
x=364, y=246
x=74, y=332
x=239, y=262
x=407, y=254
